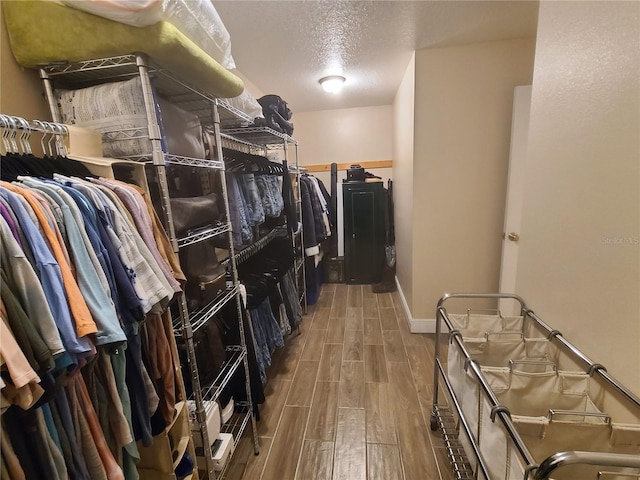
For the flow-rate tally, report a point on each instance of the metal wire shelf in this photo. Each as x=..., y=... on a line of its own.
x=261, y=136
x=135, y=134
x=199, y=318
x=236, y=427
x=212, y=391
x=202, y=316
x=203, y=234
x=232, y=120
x=132, y=133
x=231, y=142
x=193, y=162
x=237, y=422
x=101, y=69
x=255, y=247
x=455, y=451
x=173, y=88
x=226, y=109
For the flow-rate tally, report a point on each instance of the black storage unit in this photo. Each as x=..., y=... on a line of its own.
x=364, y=231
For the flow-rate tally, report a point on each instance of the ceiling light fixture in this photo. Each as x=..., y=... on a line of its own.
x=332, y=83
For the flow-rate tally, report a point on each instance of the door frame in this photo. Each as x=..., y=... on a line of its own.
x=515, y=195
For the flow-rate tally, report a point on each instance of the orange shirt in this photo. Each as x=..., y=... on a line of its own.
x=77, y=306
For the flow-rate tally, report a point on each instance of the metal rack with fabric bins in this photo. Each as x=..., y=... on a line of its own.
x=516, y=400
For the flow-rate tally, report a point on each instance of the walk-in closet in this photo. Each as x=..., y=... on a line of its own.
x=319, y=240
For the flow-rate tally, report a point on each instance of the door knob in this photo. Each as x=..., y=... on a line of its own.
x=514, y=237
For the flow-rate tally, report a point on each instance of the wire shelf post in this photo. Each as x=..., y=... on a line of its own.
x=234, y=276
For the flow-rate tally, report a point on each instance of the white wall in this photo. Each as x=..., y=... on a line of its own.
x=403, y=139
x=579, y=250
x=463, y=106
x=344, y=135
x=351, y=135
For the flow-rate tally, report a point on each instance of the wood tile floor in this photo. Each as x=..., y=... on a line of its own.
x=349, y=398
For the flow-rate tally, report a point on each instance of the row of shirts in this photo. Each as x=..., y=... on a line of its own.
x=86, y=271
x=75, y=248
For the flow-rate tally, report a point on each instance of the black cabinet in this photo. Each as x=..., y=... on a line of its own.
x=364, y=231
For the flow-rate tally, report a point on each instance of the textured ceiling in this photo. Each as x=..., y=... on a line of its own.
x=285, y=47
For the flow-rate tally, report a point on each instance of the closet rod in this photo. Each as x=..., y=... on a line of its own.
x=294, y=169
x=13, y=123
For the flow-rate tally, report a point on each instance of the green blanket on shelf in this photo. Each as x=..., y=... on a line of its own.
x=42, y=32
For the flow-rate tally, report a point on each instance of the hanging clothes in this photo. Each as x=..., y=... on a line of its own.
x=51, y=278
x=134, y=202
x=25, y=390
x=265, y=276
x=323, y=198
x=267, y=333
x=255, y=209
x=289, y=200
x=317, y=212
x=270, y=194
x=90, y=283
x=311, y=242
x=231, y=336
x=291, y=299
x=242, y=234
x=88, y=362
x=45, y=327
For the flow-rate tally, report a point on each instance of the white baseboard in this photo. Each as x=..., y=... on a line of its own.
x=423, y=325
x=416, y=325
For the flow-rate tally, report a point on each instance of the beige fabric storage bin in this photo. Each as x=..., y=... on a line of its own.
x=553, y=411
